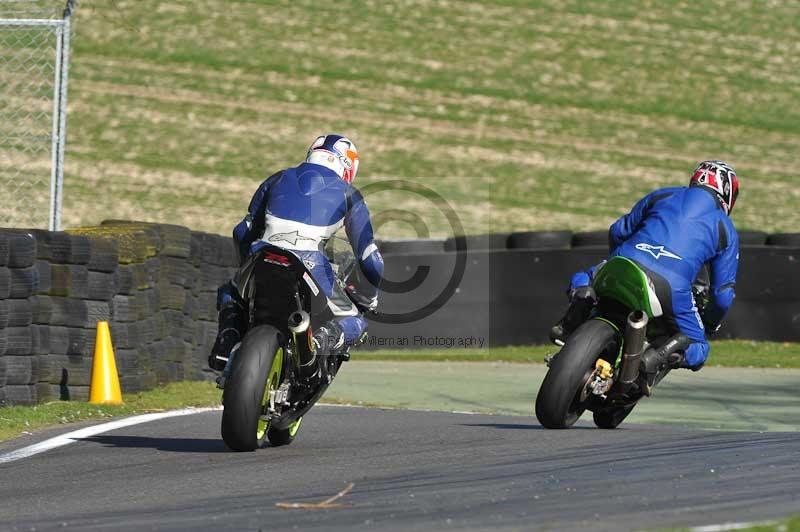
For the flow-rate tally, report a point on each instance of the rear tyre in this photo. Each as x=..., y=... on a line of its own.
x=559, y=404
x=278, y=437
x=256, y=371
x=610, y=418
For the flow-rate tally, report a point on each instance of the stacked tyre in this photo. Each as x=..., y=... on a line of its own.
x=53, y=305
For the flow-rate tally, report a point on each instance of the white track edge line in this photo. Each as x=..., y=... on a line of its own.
x=72, y=437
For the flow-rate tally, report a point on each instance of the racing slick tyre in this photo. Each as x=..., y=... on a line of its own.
x=590, y=238
x=610, y=418
x=559, y=403
x=784, y=239
x=752, y=238
x=255, y=372
x=540, y=240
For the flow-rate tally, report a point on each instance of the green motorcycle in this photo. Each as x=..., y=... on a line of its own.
x=599, y=366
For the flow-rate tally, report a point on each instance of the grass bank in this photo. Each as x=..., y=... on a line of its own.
x=514, y=112
x=726, y=353
x=17, y=420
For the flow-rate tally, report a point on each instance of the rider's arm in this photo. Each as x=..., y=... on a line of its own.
x=251, y=228
x=359, y=231
x=723, y=276
x=625, y=226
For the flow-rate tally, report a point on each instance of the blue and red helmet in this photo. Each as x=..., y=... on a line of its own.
x=337, y=153
x=720, y=178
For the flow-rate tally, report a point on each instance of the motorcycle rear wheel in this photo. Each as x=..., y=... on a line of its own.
x=257, y=371
x=558, y=403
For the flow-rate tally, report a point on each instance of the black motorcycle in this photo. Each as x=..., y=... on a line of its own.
x=276, y=375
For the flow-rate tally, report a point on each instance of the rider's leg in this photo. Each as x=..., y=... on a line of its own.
x=582, y=300
x=338, y=335
x=332, y=342
x=233, y=321
x=688, y=320
x=355, y=331
x=682, y=313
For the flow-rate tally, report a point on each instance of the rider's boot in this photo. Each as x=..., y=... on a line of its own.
x=328, y=342
x=582, y=301
x=232, y=326
x=655, y=363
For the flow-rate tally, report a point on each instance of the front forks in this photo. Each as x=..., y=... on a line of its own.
x=278, y=399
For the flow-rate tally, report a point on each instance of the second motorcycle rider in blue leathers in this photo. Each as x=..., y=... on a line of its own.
x=671, y=234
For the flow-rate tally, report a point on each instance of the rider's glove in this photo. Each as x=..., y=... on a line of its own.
x=361, y=301
x=583, y=293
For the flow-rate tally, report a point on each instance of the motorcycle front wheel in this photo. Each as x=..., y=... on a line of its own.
x=256, y=372
x=559, y=403
x=285, y=436
x=611, y=417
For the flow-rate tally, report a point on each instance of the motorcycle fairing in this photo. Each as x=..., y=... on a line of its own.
x=624, y=281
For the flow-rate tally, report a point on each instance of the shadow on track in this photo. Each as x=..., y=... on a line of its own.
x=518, y=426
x=175, y=445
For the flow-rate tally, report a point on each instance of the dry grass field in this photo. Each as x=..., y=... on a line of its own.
x=520, y=114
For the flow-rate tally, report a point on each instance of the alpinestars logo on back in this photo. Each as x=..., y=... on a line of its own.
x=291, y=238
x=657, y=251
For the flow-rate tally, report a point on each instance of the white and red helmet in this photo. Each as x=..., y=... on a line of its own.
x=337, y=153
x=720, y=178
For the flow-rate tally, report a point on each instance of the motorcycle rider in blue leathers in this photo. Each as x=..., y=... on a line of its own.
x=671, y=234
x=300, y=209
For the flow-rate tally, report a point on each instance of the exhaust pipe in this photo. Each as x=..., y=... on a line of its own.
x=299, y=324
x=635, y=330
x=299, y=321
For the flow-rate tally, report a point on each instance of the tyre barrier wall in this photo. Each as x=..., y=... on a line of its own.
x=512, y=294
x=155, y=285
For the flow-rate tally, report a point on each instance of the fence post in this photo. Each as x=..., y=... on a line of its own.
x=34, y=67
x=61, y=96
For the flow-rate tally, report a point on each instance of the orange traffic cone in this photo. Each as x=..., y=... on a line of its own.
x=105, y=381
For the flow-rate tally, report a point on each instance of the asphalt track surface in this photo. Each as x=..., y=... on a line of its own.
x=412, y=470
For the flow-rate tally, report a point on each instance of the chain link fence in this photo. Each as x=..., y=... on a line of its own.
x=34, y=61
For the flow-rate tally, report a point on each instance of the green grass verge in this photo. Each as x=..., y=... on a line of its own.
x=786, y=525
x=727, y=353
x=16, y=420
x=523, y=115
x=791, y=524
